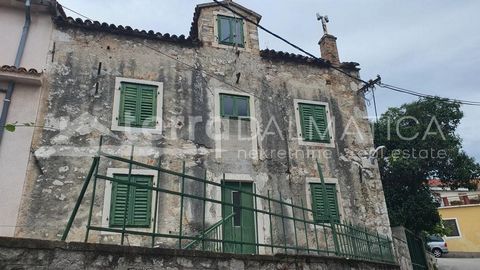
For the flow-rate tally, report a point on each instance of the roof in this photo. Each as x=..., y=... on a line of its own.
x=123, y=30
x=196, y=14
x=301, y=59
x=21, y=70
x=435, y=183
x=192, y=40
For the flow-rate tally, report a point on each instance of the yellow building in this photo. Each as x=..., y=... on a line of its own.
x=464, y=222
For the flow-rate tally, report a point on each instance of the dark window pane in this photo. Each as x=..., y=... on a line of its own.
x=227, y=103
x=238, y=34
x=237, y=218
x=452, y=226
x=224, y=33
x=242, y=106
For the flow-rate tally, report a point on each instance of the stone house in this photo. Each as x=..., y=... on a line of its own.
x=242, y=116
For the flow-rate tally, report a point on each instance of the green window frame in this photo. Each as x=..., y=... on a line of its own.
x=240, y=106
x=318, y=203
x=139, y=202
x=138, y=105
x=314, y=122
x=228, y=27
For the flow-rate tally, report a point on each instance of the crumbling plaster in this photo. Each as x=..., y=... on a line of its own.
x=76, y=113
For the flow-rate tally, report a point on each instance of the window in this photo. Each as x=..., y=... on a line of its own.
x=452, y=225
x=234, y=106
x=139, y=202
x=230, y=31
x=138, y=105
x=318, y=203
x=313, y=122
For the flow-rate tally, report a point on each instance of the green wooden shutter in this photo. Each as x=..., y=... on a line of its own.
x=128, y=105
x=313, y=120
x=139, y=202
x=148, y=106
x=118, y=202
x=138, y=105
x=318, y=205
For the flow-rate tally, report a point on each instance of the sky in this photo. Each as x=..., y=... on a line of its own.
x=430, y=46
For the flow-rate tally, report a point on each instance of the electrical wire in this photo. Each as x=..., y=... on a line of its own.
x=422, y=95
x=213, y=76
x=391, y=87
x=79, y=14
x=383, y=85
x=374, y=103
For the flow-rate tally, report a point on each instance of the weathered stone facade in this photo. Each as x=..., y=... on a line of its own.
x=77, y=110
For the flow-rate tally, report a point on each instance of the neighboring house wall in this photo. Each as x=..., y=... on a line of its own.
x=400, y=245
x=87, y=58
x=467, y=218
x=15, y=148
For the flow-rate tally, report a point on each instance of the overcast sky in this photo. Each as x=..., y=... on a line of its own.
x=431, y=46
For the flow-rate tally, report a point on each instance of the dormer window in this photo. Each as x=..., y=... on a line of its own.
x=230, y=31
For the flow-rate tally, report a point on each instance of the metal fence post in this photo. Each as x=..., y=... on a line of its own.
x=94, y=189
x=181, y=206
x=204, y=207
x=256, y=217
x=270, y=217
x=154, y=229
x=294, y=225
x=130, y=165
x=283, y=223
x=80, y=198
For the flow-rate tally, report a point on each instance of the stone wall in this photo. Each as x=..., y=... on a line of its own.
x=77, y=110
x=401, y=248
x=19, y=254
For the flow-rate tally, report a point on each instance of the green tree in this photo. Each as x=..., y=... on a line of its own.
x=421, y=143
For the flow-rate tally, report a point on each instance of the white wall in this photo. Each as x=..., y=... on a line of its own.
x=15, y=146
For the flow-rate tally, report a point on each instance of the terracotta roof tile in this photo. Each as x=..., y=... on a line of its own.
x=124, y=30
x=301, y=59
x=32, y=71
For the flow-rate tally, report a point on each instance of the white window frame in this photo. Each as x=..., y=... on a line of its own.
x=218, y=121
x=330, y=123
x=458, y=228
x=107, y=198
x=313, y=180
x=116, y=106
x=217, y=44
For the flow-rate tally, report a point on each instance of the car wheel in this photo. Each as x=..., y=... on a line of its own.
x=437, y=252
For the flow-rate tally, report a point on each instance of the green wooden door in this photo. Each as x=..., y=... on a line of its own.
x=241, y=227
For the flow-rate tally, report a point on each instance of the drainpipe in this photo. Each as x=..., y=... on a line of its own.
x=18, y=58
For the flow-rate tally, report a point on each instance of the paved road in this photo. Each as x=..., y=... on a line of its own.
x=458, y=264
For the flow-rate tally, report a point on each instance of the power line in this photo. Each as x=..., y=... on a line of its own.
x=391, y=87
x=367, y=84
x=79, y=14
x=218, y=78
x=422, y=95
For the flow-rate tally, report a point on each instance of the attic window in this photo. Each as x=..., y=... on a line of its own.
x=230, y=31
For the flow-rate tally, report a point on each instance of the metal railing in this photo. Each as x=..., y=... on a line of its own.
x=284, y=226
x=214, y=232
x=416, y=248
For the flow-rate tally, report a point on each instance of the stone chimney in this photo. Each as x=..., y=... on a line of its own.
x=328, y=49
